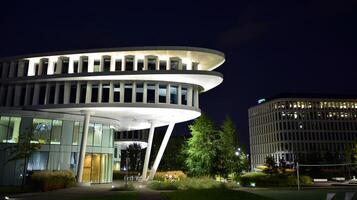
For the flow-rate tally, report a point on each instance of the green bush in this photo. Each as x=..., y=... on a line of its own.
x=198, y=183
x=266, y=180
x=119, y=175
x=170, y=176
x=51, y=180
x=162, y=185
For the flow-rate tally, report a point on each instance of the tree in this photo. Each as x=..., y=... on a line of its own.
x=201, y=148
x=23, y=150
x=133, y=152
x=270, y=164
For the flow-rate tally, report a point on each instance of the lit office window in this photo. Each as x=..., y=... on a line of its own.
x=96, y=67
x=76, y=129
x=106, y=64
x=105, y=93
x=117, y=92
x=151, y=64
x=173, y=94
x=162, y=65
x=128, y=90
x=140, y=65
x=41, y=129
x=139, y=92
x=38, y=161
x=95, y=91
x=162, y=93
x=90, y=134
x=56, y=132
x=151, y=93
x=184, y=96
x=4, y=125
x=13, y=130
x=97, y=135
x=129, y=63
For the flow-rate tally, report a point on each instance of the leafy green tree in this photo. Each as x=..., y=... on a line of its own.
x=201, y=148
x=231, y=157
x=133, y=152
x=23, y=150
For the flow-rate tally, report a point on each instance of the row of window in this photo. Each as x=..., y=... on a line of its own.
x=136, y=135
x=313, y=126
x=97, y=92
x=299, y=147
x=84, y=64
x=48, y=131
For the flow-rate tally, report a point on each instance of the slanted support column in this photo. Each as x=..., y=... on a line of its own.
x=82, y=151
x=148, y=152
x=161, y=150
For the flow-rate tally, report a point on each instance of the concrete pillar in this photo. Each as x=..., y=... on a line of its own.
x=82, y=151
x=161, y=150
x=148, y=152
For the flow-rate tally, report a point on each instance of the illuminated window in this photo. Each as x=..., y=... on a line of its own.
x=96, y=67
x=162, y=93
x=56, y=132
x=41, y=129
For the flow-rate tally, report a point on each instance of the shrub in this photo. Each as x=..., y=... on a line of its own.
x=162, y=185
x=51, y=180
x=198, y=183
x=170, y=176
x=119, y=175
x=277, y=180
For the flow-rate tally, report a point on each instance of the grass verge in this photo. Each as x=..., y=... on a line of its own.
x=213, y=194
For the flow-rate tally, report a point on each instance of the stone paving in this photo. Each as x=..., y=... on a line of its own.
x=94, y=190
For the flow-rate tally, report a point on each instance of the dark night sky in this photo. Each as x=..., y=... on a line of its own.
x=271, y=47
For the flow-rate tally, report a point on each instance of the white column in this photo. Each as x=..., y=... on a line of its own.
x=148, y=151
x=82, y=151
x=161, y=150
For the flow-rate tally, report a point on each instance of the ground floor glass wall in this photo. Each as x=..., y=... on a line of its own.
x=97, y=168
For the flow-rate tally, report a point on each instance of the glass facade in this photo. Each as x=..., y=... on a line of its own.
x=60, y=140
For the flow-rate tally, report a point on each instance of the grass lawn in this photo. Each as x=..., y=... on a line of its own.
x=121, y=195
x=14, y=189
x=214, y=194
x=306, y=194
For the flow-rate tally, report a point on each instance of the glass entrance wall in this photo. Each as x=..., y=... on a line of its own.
x=97, y=168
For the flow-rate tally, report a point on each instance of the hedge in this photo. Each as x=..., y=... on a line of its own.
x=51, y=180
x=276, y=180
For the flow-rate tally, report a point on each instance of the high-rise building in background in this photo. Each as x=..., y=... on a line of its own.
x=303, y=128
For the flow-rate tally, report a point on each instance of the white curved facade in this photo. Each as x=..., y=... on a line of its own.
x=125, y=88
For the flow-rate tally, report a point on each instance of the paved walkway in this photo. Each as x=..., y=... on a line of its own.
x=94, y=190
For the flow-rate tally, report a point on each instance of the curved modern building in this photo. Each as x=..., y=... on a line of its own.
x=74, y=101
